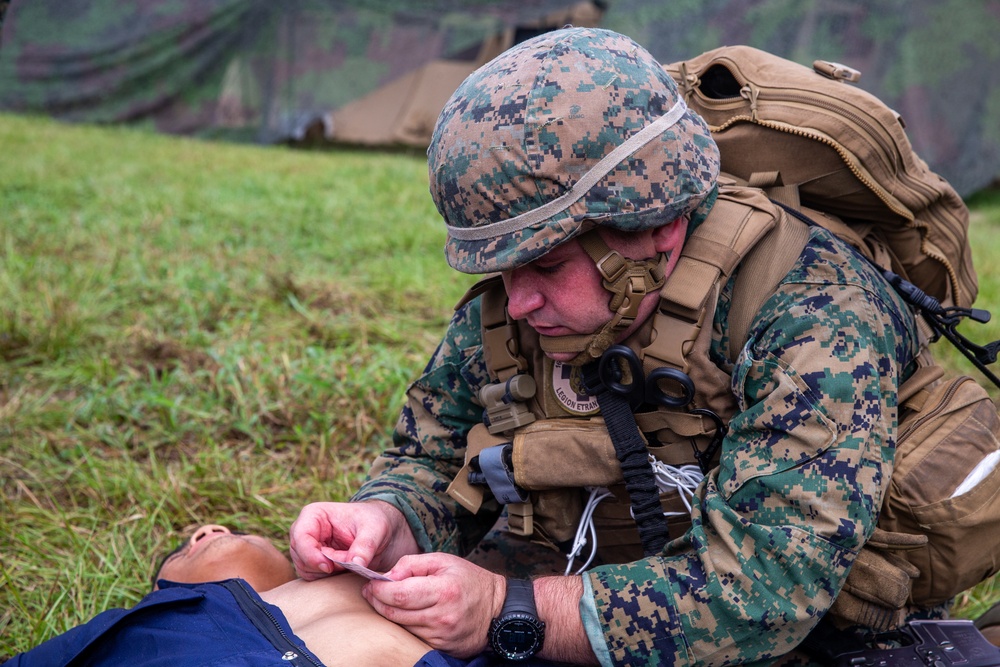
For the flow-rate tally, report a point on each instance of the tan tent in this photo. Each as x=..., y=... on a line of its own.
x=403, y=111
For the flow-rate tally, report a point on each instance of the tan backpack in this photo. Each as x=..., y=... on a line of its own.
x=813, y=141
x=810, y=135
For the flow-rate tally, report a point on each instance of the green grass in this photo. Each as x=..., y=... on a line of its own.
x=194, y=332
x=984, y=233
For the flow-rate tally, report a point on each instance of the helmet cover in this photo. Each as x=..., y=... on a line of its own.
x=574, y=128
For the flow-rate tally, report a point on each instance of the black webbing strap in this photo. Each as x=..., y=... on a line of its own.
x=630, y=449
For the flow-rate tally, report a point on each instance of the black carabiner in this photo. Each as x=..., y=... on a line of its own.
x=656, y=394
x=721, y=429
x=611, y=374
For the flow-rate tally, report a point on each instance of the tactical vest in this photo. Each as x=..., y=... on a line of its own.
x=563, y=446
x=920, y=553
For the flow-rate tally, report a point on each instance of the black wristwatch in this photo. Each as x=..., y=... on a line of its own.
x=517, y=633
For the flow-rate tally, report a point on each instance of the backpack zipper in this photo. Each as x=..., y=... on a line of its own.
x=751, y=93
x=886, y=145
x=876, y=189
x=873, y=187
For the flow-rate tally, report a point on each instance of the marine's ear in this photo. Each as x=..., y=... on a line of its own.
x=670, y=236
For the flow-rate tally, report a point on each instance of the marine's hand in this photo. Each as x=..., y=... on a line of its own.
x=443, y=599
x=373, y=534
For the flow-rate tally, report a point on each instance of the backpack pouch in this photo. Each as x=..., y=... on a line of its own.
x=946, y=485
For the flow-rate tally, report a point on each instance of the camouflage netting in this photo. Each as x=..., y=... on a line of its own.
x=265, y=71
x=936, y=62
x=254, y=70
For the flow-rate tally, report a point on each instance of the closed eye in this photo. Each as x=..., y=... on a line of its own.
x=549, y=269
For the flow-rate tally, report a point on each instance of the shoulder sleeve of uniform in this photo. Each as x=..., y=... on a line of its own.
x=491, y=281
x=429, y=441
x=803, y=471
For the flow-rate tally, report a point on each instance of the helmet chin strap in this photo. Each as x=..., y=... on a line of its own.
x=628, y=280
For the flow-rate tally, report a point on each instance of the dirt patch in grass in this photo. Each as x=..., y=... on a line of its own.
x=163, y=355
x=13, y=345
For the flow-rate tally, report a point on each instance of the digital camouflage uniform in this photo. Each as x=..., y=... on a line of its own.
x=807, y=458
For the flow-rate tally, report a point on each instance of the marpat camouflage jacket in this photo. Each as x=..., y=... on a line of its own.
x=780, y=520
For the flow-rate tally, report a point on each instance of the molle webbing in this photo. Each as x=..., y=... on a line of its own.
x=740, y=218
x=500, y=339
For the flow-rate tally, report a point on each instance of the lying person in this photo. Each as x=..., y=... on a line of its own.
x=227, y=598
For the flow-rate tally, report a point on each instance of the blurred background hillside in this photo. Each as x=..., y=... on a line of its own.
x=376, y=72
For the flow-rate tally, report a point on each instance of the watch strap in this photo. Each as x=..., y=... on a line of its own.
x=520, y=598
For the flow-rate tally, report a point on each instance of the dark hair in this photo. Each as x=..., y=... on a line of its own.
x=163, y=561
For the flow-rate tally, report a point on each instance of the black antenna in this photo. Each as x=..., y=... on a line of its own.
x=945, y=320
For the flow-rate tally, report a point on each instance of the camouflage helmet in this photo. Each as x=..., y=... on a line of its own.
x=574, y=128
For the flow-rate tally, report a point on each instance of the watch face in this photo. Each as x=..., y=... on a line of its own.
x=517, y=638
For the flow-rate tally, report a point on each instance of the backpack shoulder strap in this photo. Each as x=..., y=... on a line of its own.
x=739, y=220
x=764, y=267
x=499, y=332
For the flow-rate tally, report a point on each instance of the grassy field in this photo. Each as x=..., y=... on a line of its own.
x=194, y=332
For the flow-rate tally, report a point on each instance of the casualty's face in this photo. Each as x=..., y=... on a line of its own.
x=214, y=553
